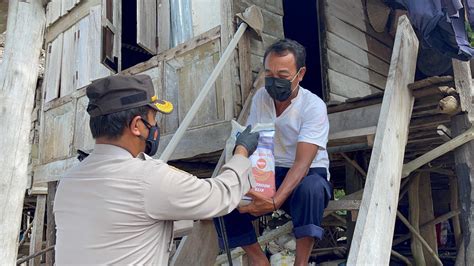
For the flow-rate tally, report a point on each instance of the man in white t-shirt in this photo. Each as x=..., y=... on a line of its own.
x=301, y=135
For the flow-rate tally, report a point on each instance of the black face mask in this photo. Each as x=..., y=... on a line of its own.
x=151, y=143
x=278, y=88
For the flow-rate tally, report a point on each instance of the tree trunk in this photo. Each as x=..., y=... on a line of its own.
x=18, y=78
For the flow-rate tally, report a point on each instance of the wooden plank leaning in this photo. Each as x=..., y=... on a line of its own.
x=373, y=233
x=18, y=79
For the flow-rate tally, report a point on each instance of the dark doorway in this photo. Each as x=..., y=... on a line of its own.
x=300, y=23
x=132, y=53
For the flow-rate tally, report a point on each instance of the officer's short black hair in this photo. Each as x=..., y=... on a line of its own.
x=112, y=125
x=284, y=46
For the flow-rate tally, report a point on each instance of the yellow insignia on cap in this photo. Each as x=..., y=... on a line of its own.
x=164, y=106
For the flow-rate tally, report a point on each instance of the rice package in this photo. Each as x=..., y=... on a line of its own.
x=263, y=160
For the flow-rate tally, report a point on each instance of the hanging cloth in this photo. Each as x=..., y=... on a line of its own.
x=441, y=24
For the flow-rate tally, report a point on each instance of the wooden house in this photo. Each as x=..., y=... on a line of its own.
x=178, y=43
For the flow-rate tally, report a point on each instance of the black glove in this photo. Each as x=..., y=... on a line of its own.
x=248, y=140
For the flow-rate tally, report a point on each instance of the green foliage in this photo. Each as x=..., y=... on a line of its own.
x=470, y=33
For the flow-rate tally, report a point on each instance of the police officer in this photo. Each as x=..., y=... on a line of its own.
x=118, y=205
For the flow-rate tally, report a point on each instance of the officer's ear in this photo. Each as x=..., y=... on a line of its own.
x=134, y=125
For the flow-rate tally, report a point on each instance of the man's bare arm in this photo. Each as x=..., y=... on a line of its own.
x=305, y=153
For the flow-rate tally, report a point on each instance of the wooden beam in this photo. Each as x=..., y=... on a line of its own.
x=464, y=166
x=454, y=205
x=51, y=224
x=36, y=243
x=433, y=222
x=417, y=235
x=458, y=141
x=426, y=215
x=463, y=82
x=376, y=220
x=70, y=19
x=414, y=203
x=190, y=253
x=354, y=183
x=18, y=80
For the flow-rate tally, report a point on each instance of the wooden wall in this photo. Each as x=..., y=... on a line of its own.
x=356, y=59
x=272, y=11
x=178, y=74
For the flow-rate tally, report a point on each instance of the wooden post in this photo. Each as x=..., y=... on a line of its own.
x=373, y=234
x=464, y=159
x=353, y=184
x=426, y=215
x=414, y=203
x=454, y=205
x=195, y=251
x=36, y=243
x=417, y=235
x=18, y=77
x=51, y=228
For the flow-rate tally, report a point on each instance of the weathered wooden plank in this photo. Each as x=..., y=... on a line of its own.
x=203, y=15
x=229, y=71
x=356, y=54
x=419, y=237
x=51, y=224
x=363, y=117
x=193, y=70
x=65, y=22
x=82, y=134
x=190, y=254
x=96, y=68
x=272, y=24
x=353, y=13
x=245, y=68
x=349, y=87
x=18, y=83
x=454, y=205
x=66, y=6
x=456, y=142
x=171, y=93
x=211, y=138
x=36, y=243
x=376, y=220
x=347, y=67
x=58, y=133
x=464, y=159
x=464, y=86
x=359, y=38
x=68, y=75
x=426, y=215
x=352, y=136
x=53, y=69
x=53, y=171
x=53, y=12
x=258, y=47
x=204, y=38
x=164, y=27
x=414, y=203
x=337, y=98
x=82, y=64
x=146, y=25
x=353, y=184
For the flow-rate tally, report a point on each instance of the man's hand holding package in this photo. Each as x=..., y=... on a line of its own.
x=260, y=204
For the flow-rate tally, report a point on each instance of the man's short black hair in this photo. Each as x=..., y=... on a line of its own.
x=112, y=125
x=284, y=46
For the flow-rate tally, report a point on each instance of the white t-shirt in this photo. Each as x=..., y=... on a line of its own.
x=304, y=120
